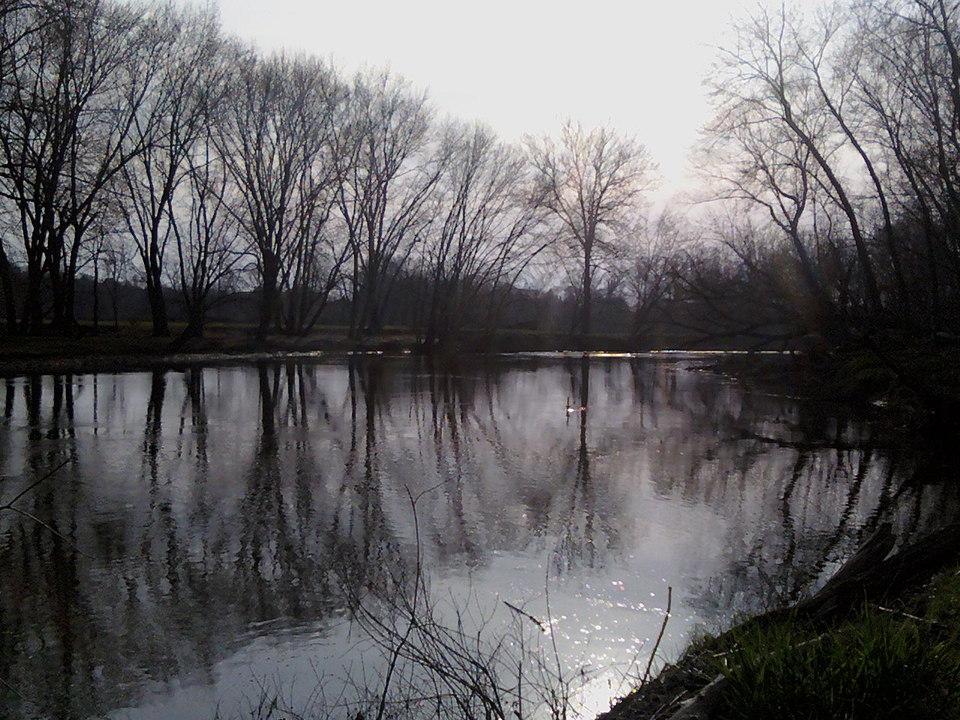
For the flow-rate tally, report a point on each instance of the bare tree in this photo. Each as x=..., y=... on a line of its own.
x=16, y=24
x=592, y=183
x=650, y=267
x=276, y=146
x=179, y=49
x=763, y=164
x=906, y=90
x=65, y=115
x=771, y=103
x=207, y=236
x=844, y=127
x=481, y=240
x=385, y=177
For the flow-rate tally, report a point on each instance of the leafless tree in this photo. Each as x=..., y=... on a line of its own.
x=206, y=232
x=276, y=144
x=65, y=116
x=773, y=109
x=905, y=85
x=386, y=175
x=481, y=239
x=592, y=183
x=16, y=24
x=843, y=126
x=179, y=51
x=650, y=264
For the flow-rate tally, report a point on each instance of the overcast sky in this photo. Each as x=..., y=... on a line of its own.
x=523, y=65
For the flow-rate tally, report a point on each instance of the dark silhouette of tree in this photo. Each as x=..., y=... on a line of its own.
x=276, y=144
x=482, y=238
x=180, y=49
x=66, y=110
x=385, y=176
x=592, y=183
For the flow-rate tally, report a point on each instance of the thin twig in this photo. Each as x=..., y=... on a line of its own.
x=667, y=705
x=31, y=486
x=39, y=522
x=558, y=664
x=12, y=689
x=656, y=645
x=11, y=507
x=931, y=623
x=539, y=623
x=398, y=650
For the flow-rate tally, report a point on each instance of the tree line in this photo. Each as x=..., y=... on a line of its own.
x=139, y=141
x=835, y=150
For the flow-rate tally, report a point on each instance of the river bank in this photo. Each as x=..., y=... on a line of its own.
x=134, y=348
x=878, y=640
x=889, y=647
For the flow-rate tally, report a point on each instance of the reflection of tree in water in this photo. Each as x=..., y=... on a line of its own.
x=272, y=559
x=444, y=398
x=504, y=482
x=159, y=592
x=46, y=625
x=576, y=514
x=831, y=483
x=10, y=390
x=220, y=523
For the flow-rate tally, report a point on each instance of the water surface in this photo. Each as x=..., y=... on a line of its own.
x=202, y=531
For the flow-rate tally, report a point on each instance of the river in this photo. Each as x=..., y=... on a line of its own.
x=221, y=541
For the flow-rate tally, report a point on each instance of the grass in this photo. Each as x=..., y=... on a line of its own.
x=878, y=665
x=896, y=662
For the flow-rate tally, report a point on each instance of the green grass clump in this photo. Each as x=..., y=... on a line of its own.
x=879, y=665
x=943, y=604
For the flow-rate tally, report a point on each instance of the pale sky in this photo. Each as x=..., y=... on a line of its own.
x=522, y=66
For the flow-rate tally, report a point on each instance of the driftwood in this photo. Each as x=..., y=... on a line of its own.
x=869, y=576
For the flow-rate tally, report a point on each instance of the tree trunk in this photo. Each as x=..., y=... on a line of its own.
x=31, y=318
x=158, y=306
x=6, y=286
x=586, y=310
x=269, y=294
x=195, y=323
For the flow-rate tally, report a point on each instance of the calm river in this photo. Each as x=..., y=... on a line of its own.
x=203, y=532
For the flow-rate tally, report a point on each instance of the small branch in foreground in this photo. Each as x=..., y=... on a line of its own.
x=656, y=645
x=908, y=616
x=524, y=613
x=12, y=689
x=31, y=486
x=49, y=528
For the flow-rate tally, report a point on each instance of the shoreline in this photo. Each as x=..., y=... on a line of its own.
x=913, y=591
x=132, y=350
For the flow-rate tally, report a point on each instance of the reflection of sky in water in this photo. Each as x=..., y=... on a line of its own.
x=211, y=509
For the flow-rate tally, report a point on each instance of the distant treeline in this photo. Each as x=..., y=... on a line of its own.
x=113, y=305
x=140, y=146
